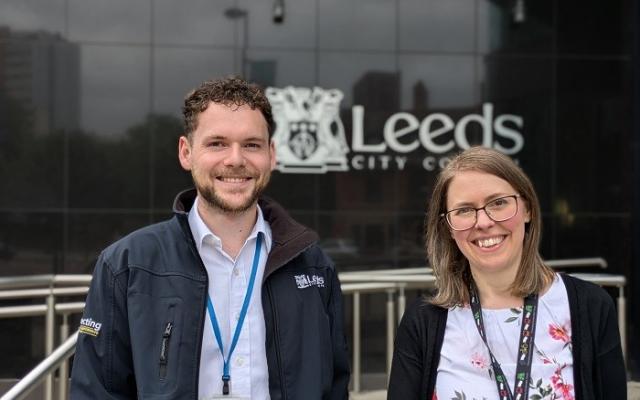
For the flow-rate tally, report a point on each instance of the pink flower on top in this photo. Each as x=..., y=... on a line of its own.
x=479, y=361
x=562, y=390
x=565, y=390
x=560, y=332
x=556, y=378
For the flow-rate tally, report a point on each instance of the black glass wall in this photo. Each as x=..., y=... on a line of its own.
x=90, y=97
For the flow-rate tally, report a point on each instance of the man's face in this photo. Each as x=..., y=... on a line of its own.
x=230, y=156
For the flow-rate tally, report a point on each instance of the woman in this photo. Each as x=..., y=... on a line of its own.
x=501, y=325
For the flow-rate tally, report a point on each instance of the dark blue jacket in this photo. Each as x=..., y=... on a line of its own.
x=141, y=332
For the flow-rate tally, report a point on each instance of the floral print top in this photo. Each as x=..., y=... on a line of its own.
x=465, y=371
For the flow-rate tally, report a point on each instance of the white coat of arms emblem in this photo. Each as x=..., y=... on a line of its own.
x=309, y=135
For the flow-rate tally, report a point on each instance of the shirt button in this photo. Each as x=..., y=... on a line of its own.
x=237, y=316
x=236, y=272
x=239, y=361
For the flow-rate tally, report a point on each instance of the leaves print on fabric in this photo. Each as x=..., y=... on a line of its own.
x=557, y=389
x=461, y=305
x=543, y=392
x=459, y=396
x=563, y=390
x=462, y=396
x=545, y=358
x=516, y=317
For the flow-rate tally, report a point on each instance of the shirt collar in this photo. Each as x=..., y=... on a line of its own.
x=200, y=230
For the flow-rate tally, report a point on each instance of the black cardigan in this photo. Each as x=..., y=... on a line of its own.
x=597, y=354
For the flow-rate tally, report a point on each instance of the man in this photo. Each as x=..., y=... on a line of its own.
x=173, y=311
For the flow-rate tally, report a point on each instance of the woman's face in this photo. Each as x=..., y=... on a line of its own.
x=489, y=246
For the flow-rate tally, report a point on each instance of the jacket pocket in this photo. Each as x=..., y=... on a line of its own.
x=165, y=346
x=156, y=329
x=168, y=347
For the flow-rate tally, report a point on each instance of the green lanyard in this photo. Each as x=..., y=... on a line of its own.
x=525, y=347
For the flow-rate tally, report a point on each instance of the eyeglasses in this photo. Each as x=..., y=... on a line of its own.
x=500, y=209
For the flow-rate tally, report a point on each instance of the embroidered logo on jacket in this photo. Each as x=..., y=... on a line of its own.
x=90, y=327
x=305, y=281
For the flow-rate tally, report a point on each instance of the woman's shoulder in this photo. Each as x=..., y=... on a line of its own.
x=422, y=311
x=584, y=292
x=422, y=323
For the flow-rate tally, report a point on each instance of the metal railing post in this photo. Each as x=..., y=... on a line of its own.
x=402, y=301
x=393, y=282
x=21, y=389
x=391, y=328
x=622, y=323
x=356, y=342
x=48, y=341
x=63, y=371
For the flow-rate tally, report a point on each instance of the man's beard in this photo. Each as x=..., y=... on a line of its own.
x=208, y=193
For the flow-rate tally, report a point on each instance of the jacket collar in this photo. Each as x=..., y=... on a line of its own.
x=290, y=238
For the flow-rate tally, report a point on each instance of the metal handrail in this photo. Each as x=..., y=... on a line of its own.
x=46, y=286
x=37, y=310
x=556, y=264
x=31, y=293
x=392, y=271
x=393, y=282
x=396, y=281
x=577, y=263
x=356, y=289
x=21, y=389
x=29, y=281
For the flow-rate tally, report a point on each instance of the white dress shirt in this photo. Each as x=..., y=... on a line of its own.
x=228, y=282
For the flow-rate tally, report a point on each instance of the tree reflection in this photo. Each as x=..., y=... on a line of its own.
x=66, y=195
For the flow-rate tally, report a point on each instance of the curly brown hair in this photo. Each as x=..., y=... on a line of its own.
x=230, y=91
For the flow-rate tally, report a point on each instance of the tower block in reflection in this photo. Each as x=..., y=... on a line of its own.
x=41, y=71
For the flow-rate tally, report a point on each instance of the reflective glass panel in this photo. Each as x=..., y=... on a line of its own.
x=434, y=25
x=115, y=21
x=357, y=24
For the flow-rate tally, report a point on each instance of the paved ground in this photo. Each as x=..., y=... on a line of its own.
x=633, y=391
x=371, y=395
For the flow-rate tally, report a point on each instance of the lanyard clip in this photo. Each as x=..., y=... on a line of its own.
x=225, y=384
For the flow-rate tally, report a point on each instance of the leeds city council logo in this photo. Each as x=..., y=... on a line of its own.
x=309, y=136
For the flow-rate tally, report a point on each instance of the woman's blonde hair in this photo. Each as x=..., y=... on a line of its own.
x=450, y=266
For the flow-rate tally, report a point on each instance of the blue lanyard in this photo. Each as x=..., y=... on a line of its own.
x=226, y=377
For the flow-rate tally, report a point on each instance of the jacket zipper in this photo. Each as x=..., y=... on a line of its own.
x=164, y=349
x=184, y=225
x=276, y=336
